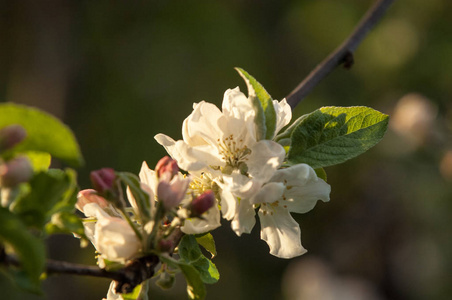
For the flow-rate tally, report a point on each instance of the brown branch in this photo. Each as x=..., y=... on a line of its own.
x=342, y=55
x=126, y=279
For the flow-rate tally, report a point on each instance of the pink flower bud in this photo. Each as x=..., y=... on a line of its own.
x=89, y=196
x=202, y=203
x=15, y=171
x=165, y=245
x=103, y=180
x=11, y=135
x=167, y=168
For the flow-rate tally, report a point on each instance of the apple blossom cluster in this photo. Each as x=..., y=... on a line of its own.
x=221, y=150
x=122, y=231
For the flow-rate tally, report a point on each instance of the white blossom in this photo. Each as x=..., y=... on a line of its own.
x=112, y=236
x=294, y=189
x=223, y=144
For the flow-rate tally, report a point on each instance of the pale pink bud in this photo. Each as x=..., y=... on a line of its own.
x=115, y=239
x=202, y=203
x=90, y=196
x=15, y=171
x=11, y=135
x=167, y=168
x=171, y=193
x=103, y=180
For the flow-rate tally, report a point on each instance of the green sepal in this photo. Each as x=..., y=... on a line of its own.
x=263, y=105
x=141, y=197
x=28, y=248
x=45, y=133
x=165, y=280
x=333, y=135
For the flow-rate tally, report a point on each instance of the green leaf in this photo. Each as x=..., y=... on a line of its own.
x=29, y=249
x=206, y=240
x=320, y=172
x=50, y=192
x=333, y=135
x=195, y=286
x=190, y=252
x=141, y=197
x=263, y=105
x=140, y=292
x=283, y=136
x=45, y=133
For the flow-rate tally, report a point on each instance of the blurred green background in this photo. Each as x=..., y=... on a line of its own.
x=119, y=72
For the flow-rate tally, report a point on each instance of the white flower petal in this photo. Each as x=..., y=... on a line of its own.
x=303, y=186
x=237, y=105
x=228, y=204
x=269, y=193
x=148, y=177
x=210, y=222
x=201, y=126
x=115, y=239
x=283, y=114
x=111, y=295
x=244, y=219
x=187, y=157
x=265, y=158
x=281, y=233
x=241, y=185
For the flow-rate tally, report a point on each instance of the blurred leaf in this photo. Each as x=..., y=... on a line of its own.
x=65, y=222
x=195, y=286
x=262, y=106
x=40, y=161
x=141, y=197
x=29, y=249
x=50, y=192
x=190, y=252
x=45, y=133
x=333, y=135
x=207, y=241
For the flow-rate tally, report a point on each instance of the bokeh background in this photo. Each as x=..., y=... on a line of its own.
x=119, y=72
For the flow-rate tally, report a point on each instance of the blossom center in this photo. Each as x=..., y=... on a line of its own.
x=234, y=153
x=200, y=184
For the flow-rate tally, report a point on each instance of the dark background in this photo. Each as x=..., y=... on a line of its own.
x=119, y=72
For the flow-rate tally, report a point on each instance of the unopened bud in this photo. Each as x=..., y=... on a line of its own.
x=202, y=203
x=11, y=135
x=103, y=180
x=89, y=196
x=171, y=194
x=167, y=167
x=15, y=171
x=165, y=245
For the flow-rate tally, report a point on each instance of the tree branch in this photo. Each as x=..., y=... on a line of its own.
x=342, y=54
x=126, y=279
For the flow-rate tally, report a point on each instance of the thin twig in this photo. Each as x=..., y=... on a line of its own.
x=342, y=54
